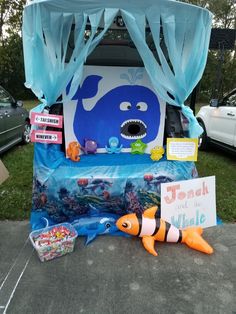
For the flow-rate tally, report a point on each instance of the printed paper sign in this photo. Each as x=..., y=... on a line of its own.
x=43, y=136
x=44, y=119
x=114, y=102
x=185, y=149
x=189, y=203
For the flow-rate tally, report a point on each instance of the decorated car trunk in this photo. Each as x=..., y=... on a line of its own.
x=108, y=159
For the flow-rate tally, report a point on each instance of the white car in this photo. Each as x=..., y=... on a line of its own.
x=219, y=123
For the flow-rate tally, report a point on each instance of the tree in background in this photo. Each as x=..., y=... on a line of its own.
x=10, y=17
x=224, y=12
x=11, y=52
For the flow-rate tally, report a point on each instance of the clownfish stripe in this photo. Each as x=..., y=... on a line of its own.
x=157, y=226
x=148, y=227
x=173, y=234
x=167, y=230
x=180, y=236
x=157, y=215
x=140, y=220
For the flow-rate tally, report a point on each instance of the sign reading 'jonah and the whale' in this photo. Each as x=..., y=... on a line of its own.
x=115, y=102
x=189, y=203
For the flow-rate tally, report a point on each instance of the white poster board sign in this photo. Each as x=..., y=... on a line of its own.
x=115, y=102
x=189, y=203
x=4, y=174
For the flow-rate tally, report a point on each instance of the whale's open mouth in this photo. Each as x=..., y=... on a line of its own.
x=133, y=129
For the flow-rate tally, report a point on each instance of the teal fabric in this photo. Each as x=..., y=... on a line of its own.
x=186, y=30
x=45, y=40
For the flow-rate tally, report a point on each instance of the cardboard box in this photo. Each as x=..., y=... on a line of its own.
x=4, y=174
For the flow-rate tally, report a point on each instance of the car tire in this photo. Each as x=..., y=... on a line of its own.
x=203, y=141
x=26, y=133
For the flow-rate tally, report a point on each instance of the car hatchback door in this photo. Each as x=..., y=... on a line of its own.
x=10, y=119
x=223, y=121
x=3, y=140
x=5, y=105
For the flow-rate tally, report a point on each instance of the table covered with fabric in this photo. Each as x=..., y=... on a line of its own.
x=64, y=190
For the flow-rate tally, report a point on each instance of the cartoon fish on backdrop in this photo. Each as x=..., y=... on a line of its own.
x=129, y=112
x=152, y=229
x=92, y=226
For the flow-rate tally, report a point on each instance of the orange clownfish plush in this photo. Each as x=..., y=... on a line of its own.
x=73, y=151
x=151, y=229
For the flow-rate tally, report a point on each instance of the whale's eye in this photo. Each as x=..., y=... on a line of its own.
x=142, y=106
x=108, y=225
x=125, y=105
x=126, y=225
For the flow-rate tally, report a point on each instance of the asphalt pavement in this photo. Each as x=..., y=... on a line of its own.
x=116, y=275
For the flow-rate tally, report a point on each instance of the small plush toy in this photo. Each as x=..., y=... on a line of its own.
x=113, y=143
x=73, y=151
x=90, y=147
x=157, y=153
x=152, y=229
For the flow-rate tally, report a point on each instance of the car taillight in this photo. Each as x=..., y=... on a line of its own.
x=184, y=122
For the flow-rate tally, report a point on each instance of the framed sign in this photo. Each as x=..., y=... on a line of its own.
x=183, y=149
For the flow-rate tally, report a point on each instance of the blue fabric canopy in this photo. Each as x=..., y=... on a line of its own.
x=47, y=26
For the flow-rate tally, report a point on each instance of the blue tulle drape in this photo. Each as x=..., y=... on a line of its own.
x=46, y=37
x=185, y=30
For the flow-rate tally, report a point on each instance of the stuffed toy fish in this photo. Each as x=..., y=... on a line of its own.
x=151, y=229
x=73, y=151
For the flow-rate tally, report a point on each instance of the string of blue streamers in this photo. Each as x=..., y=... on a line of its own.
x=47, y=26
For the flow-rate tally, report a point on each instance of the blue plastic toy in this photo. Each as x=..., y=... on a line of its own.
x=113, y=143
x=92, y=226
x=40, y=219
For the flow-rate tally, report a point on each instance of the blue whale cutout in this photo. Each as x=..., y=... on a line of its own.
x=128, y=112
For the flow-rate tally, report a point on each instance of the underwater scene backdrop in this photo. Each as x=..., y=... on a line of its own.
x=101, y=184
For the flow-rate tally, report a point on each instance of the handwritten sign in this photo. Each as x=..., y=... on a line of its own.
x=49, y=137
x=189, y=203
x=44, y=119
x=185, y=149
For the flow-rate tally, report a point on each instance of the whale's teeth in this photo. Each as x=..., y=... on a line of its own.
x=133, y=121
x=129, y=137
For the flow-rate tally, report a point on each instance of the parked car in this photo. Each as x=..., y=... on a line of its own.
x=14, y=121
x=219, y=123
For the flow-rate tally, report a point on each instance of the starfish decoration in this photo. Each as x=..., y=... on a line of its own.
x=138, y=147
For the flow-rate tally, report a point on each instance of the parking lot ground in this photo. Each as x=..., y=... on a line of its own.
x=116, y=275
